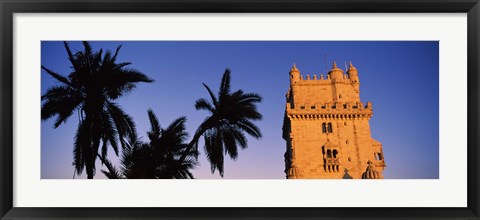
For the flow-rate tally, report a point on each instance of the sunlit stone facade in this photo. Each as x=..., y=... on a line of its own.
x=326, y=128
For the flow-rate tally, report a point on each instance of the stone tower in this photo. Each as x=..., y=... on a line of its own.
x=327, y=129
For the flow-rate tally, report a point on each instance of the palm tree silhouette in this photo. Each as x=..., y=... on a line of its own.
x=159, y=158
x=97, y=80
x=231, y=116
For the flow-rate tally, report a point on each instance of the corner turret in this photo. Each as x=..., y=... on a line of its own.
x=353, y=76
x=294, y=75
x=371, y=173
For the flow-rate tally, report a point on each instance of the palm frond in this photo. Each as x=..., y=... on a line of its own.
x=155, y=127
x=133, y=76
x=57, y=76
x=214, y=150
x=127, y=160
x=177, y=130
x=87, y=49
x=60, y=101
x=114, y=58
x=97, y=59
x=109, y=133
x=212, y=96
x=120, y=65
x=225, y=84
x=250, y=128
x=250, y=98
x=81, y=143
x=204, y=104
x=240, y=138
x=230, y=142
x=111, y=172
x=123, y=123
x=53, y=98
x=121, y=81
x=71, y=57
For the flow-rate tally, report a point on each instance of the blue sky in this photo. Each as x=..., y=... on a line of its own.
x=400, y=78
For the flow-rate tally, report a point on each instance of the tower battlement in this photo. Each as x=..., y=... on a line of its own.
x=318, y=77
x=337, y=106
x=343, y=111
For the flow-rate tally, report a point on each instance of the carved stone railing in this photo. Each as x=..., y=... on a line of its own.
x=332, y=165
x=333, y=161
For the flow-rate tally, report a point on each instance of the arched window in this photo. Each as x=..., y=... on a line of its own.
x=324, y=127
x=329, y=154
x=329, y=129
x=335, y=153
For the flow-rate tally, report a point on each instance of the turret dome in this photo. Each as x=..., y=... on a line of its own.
x=294, y=68
x=371, y=173
x=351, y=68
x=335, y=72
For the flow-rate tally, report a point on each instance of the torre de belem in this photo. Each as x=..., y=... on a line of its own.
x=326, y=128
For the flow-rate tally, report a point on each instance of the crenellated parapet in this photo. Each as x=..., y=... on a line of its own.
x=330, y=110
x=330, y=106
x=319, y=77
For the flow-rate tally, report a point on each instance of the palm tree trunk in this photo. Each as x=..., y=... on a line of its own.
x=90, y=174
x=91, y=151
x=201, y=129
x=88, y=158
x=192, y=143
x=89, y=164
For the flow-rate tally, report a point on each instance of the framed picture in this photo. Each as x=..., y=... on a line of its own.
x=290, y=155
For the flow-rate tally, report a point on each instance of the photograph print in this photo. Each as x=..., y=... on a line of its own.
x=239, y=109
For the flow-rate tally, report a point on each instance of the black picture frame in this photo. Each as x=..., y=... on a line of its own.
x=9, y=7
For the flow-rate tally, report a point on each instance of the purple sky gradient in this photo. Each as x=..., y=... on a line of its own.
x=400, y=78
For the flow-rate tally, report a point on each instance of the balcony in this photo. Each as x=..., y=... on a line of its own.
x=332, y=165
